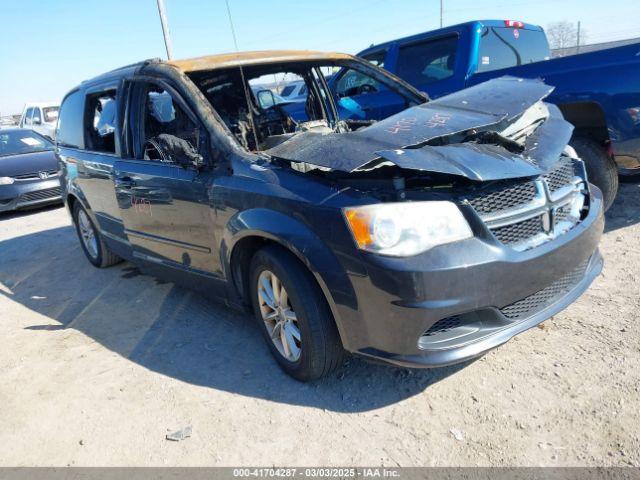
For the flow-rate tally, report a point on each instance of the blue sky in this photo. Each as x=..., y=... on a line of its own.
x=48, y=46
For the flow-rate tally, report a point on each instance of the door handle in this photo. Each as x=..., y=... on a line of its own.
x=125, y=182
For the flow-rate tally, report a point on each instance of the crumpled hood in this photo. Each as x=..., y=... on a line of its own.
x=403, y=139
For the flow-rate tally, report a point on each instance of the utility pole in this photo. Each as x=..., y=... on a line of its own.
x=441, y=8
x=165, y=29
x=578, y=39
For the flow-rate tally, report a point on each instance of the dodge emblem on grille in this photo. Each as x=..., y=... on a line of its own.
x=43, y=175
x=527, y=214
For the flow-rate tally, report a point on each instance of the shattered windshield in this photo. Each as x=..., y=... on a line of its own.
x=357, y=95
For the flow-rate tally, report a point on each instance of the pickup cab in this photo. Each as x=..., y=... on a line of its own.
x=40, y=117
x=598, y=92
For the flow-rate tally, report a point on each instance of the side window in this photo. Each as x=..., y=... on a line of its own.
x=69, y=132
x=168, y=133
x=27, y=116
x=427, y=62
x=353, y=82
x=100, y=122
x=287, y=90
x=50, y=114
x=37, y=118
x=376, y=58
x=361, y=97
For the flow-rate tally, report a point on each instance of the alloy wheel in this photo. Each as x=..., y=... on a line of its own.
x=279, y=317
x=87, y=234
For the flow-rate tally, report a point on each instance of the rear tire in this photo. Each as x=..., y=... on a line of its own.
x=93, y=246
x=601, y=168
x=319, y=349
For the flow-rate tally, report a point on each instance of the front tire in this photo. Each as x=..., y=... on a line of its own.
x=93, y=246
x=601, y=168
x=293, y=315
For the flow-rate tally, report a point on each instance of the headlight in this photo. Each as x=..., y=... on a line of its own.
x=6, y=180
x=407, y=228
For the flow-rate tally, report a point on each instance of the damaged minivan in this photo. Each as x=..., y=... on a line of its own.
x=422, y=237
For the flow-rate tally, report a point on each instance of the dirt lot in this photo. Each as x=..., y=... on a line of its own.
x=97, y=366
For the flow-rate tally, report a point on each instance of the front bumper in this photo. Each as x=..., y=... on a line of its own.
x=486, y=287
x=30, y=194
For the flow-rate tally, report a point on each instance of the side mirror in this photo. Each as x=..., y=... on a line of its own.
x=36, y=121
x=266, y=99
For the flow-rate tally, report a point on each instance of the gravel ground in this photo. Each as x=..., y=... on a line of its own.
x=98, y=366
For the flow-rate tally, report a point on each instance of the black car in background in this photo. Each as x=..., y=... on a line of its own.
x=423, y=239
x=28, y=170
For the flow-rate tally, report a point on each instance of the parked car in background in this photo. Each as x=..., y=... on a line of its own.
x=40, y=117
x=7, y=121
x=598, y=92
x=295, y=91
x=266, y=98
x=423, y=239
x=28, y=170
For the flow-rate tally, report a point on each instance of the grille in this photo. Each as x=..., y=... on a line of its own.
x=561, y=175
x=545, y=297
x=31, y=176
x=41, y=195
x=561, y=214
x=443, y=326
x=503, y=198
x=513, y=204
x=519, y=232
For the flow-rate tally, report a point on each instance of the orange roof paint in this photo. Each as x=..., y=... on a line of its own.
x=226, y=60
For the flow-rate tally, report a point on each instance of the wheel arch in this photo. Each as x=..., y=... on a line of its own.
x=70, y=202
x=588, y=119
x=251, y=230
x=74, y=197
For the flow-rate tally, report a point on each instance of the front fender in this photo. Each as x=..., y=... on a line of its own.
x=300, y=240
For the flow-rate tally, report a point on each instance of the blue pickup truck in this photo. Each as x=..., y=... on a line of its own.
x=598, y=92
